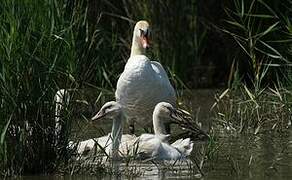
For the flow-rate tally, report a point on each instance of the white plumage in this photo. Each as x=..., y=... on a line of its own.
x=143, y=83
x=154, y=146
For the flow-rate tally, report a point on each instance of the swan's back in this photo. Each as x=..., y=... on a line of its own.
x=141, y=86
x=101, y=144
x=154, y=147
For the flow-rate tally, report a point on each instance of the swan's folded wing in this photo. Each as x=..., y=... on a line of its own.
x=185, y=146
x=164, y=80
x=147, y=146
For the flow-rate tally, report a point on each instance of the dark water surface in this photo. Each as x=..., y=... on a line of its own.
x=236, y=156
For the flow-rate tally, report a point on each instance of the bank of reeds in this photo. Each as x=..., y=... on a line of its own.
x=263, y=34
x=44, y=46
x=246, y=110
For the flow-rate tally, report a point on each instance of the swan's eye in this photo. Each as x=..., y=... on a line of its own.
x=141, y=32
x=146, y=34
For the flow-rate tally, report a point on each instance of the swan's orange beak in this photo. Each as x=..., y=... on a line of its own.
x=145, y=42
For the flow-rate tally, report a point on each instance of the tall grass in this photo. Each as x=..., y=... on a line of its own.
x=44, y=46
x=33, y=54
x=263, y=34
x=262, y=31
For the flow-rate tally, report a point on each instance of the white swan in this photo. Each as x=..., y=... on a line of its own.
x=147, y=145
x=143, y=83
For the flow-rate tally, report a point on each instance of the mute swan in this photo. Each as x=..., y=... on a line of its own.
x=143, y=83
x=147, y=145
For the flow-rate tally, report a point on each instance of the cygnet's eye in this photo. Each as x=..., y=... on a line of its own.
x=108, y=108
x=169, y=109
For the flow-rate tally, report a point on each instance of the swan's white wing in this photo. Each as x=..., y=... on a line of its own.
x=90, y=146
x=126, y=147
x=185, y=146
x=148, y=146
x=168, y=152
x=140, y=87
x=152, y=146
x=162, y=77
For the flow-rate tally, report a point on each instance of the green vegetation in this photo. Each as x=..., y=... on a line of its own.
x=264, y=35
x=45, y=46
x=53, y=44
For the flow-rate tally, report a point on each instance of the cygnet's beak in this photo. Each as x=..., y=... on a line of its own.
x=184, y=120
x=99, y=115
x=178, y=115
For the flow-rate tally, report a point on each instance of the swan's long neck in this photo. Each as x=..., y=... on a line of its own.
x=137, y=48
x=117, y=130
x=158, y=124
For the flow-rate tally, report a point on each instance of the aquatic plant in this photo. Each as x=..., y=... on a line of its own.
x=264, y=36
x=42, y=50
x=262, y=32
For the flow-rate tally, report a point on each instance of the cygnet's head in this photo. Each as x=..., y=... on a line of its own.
x=110, y=110
x=167, y=111
x=142, y=34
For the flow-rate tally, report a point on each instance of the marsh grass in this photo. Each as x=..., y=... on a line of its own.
x=262, y=32
x=263, y=35
x=43, y=48
x=247, y=111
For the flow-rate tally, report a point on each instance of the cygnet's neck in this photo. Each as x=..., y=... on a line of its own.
x=158, y=123
x=117, y=131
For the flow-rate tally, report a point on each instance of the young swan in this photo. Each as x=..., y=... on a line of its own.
x=147, y=145
x=156, y=145
x=109, y=143
x=112, y=110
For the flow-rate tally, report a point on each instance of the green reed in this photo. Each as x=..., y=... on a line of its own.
x=262, y=33
x=44, y=46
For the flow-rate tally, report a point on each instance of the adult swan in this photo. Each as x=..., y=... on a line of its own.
x=143, y=83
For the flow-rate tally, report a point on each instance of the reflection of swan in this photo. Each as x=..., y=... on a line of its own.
x=143, y=83
x=145, y=146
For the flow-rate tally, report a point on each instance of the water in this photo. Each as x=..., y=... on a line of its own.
x=236, y=156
